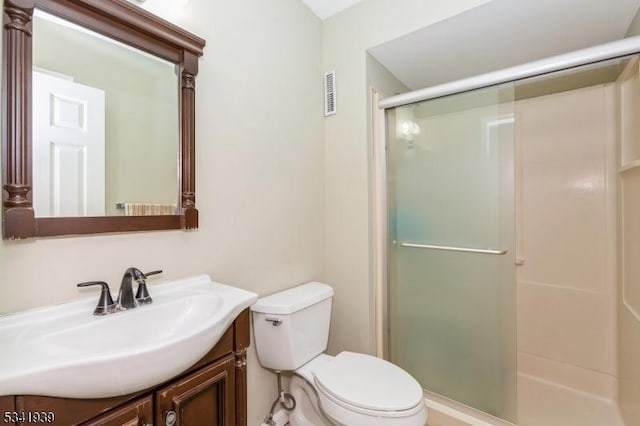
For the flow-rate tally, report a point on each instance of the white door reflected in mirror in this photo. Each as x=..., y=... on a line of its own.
x=68, y=147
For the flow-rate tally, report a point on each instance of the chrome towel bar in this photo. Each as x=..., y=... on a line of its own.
x=462, y=249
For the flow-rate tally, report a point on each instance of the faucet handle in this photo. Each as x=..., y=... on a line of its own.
x=106, y=305
x=142, y=295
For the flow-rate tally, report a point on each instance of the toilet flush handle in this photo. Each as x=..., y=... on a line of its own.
x=274, y=321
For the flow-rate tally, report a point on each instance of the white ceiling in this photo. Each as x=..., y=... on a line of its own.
x=325, y=8
x=500, y=34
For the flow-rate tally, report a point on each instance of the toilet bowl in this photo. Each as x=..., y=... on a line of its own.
x=291, y=330
x=357, y=389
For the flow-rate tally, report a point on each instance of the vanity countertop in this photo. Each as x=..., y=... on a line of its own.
x=66, y=351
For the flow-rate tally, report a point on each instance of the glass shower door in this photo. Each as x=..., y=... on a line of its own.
x=451, y=270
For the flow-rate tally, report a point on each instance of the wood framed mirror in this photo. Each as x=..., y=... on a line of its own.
x=119, y=23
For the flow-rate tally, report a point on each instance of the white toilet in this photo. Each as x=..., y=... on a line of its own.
x=291, y=329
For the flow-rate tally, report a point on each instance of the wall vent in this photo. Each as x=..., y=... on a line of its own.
x=330, y=93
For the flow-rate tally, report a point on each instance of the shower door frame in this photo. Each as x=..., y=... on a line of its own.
x=379, y=161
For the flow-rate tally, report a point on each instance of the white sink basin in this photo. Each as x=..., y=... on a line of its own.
x=66, y=351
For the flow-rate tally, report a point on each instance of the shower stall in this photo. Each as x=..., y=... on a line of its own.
x=513, y=206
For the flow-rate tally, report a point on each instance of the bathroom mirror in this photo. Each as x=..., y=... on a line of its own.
x=98, y=111
x=104, y=125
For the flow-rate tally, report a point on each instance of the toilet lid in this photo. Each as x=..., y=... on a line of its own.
x=368, y=382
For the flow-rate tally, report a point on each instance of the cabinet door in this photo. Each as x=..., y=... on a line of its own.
x=203, y=398
x=136, y=413
x=7, y=407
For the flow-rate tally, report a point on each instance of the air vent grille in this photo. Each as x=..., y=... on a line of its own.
x=330, y=93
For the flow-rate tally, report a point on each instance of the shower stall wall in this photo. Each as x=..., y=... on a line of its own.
x=512, y=226
x=566, y=238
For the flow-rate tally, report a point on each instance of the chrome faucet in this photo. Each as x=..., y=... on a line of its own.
x=125, y=294
x=126, y=300
x=106, y=305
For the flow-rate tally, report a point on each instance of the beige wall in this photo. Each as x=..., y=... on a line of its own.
x=634, y=27
x=382, y=79
x=260, y=175
x=349, y=266
x=566, y=239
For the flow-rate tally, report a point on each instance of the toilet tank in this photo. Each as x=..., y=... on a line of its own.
x=292, y=327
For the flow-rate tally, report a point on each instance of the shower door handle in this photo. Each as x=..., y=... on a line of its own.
x=460, y=249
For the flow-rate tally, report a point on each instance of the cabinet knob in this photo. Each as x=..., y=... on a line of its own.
x=170, y=418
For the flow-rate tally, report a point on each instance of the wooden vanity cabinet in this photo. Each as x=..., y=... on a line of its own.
x=213, y=392
x=206, y=397
x=136, y=413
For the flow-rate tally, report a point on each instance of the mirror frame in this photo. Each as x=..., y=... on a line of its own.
x=129, y=24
